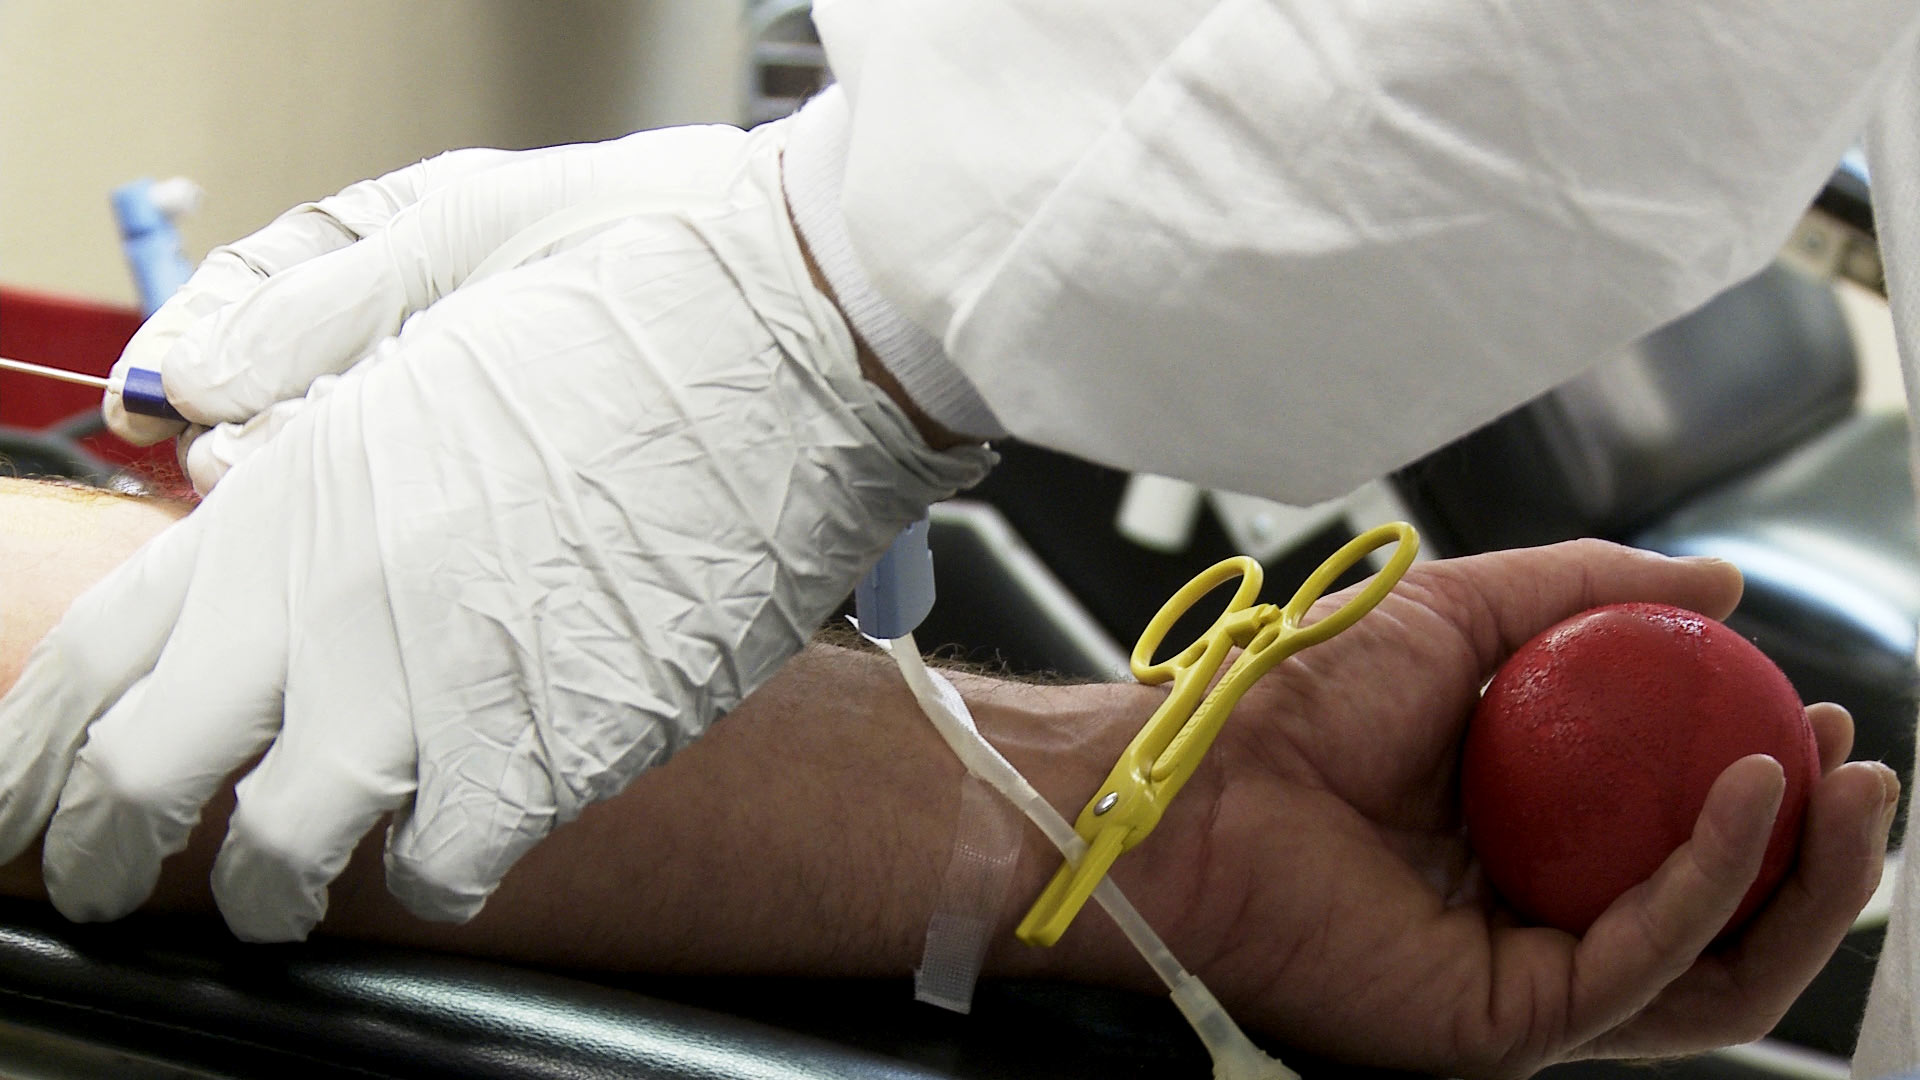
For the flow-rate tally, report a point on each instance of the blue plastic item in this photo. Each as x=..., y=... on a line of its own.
x=152, y=244
x=897, y=593
x=160, y=266
x=142, y=393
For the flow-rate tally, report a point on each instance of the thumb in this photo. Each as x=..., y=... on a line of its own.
x=207, y=455
x=1653, y=933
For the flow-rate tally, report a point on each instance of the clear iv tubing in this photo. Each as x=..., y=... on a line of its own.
x=1005, y=779
x=1234, y=1055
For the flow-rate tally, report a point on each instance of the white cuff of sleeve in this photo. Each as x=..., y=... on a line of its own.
x=813, y=170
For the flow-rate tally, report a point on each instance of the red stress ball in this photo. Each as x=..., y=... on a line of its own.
x=1592, y=751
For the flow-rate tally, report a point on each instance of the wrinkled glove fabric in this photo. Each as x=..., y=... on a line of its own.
x=523, y=550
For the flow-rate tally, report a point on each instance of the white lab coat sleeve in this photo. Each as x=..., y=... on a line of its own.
x=1890, y=1033
x=1281, y=246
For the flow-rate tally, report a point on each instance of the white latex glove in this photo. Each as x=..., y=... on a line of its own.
x=233, y=271
x=533, y=545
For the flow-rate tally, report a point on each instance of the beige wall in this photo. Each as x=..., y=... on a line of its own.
x=269, y=102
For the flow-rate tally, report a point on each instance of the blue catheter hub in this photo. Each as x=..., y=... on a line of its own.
x=897, y=593
x=144, y=394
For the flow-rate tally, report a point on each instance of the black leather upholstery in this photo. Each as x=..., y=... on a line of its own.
x=1755, y=373
x=1826, y=537
x=178, y=990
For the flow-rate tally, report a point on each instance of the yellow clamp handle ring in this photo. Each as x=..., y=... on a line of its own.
x=1070, y=888
x=1177, y=605
x=1336, y=566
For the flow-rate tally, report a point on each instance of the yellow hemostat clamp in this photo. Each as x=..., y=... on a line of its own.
x=1168, y=749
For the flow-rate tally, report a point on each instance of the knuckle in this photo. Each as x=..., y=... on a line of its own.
x=1755, y=1028
x=269, y=835
x=444, y=878
x=1588, y=553
x=1720, y=859
x=1751, y=1024
x=184, y=366
x=434, y=889
x=1660, y=936
x=1590, y=547
x=1466, y=604
x=123, y=774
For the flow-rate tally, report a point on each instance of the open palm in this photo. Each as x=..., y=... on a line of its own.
x=1344, y=909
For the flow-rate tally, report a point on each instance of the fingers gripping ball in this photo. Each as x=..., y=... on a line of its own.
x=1592, y=751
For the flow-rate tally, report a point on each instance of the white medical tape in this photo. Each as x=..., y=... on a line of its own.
x=1235, y=1057
x=986, y=851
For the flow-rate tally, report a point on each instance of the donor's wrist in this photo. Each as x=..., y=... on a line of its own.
x=1064, y=740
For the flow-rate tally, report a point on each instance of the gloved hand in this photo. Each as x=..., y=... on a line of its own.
x=529, y=547
x=215, y=382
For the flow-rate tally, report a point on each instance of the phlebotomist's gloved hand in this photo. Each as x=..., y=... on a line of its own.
x=550, y=527
x=217, y=377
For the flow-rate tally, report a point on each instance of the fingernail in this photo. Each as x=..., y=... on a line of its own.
x=1705, y=560
x=1713, y=564
x=1776, y=790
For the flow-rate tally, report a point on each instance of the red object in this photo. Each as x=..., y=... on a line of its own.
x=79, y=336
x=1592, y=751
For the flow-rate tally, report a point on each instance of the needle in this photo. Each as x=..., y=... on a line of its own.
x=23, y=367
x=142, y=392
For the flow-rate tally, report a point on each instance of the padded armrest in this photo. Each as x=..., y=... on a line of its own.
x=180, y=991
